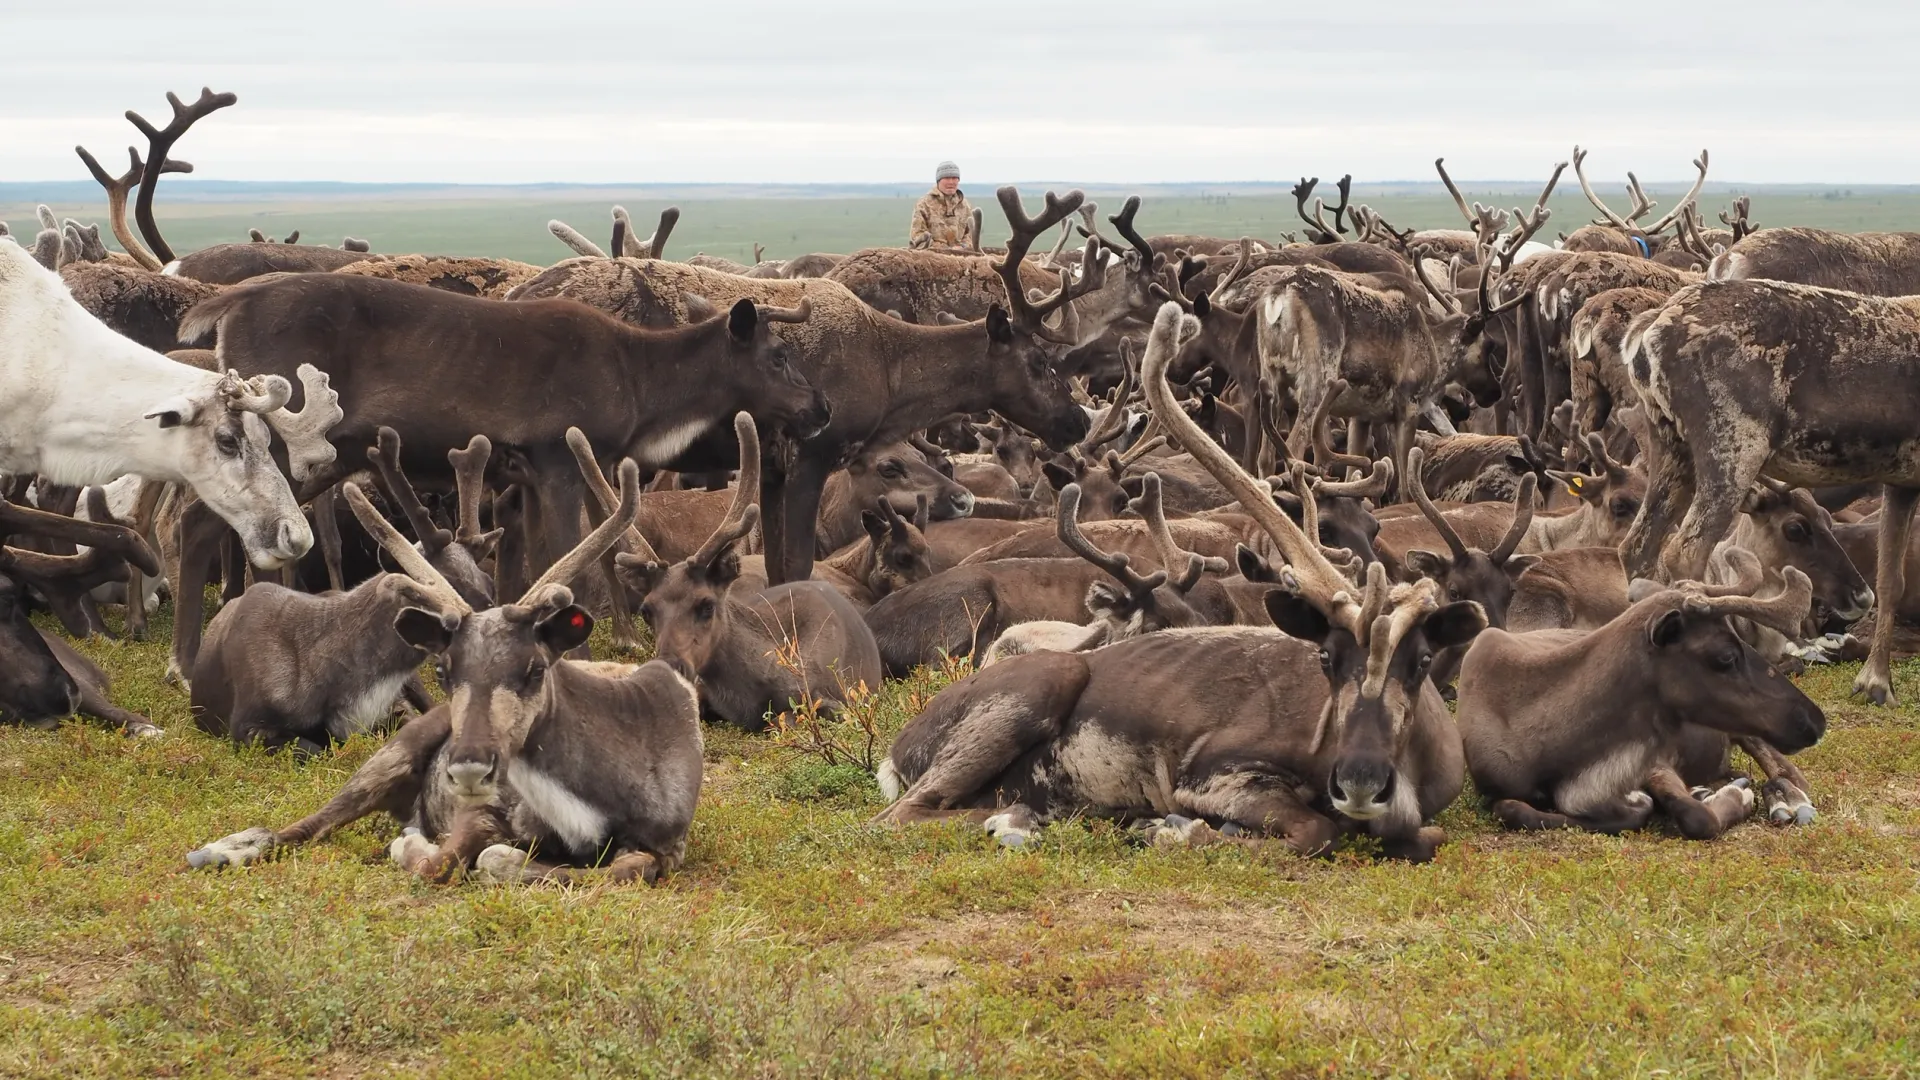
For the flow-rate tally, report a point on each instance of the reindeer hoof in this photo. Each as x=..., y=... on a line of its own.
x=1010, y=830
x=1233, y=828
x=1787, y=804
x=411, y=849
x=142, y=731
x=237, y=850
x=501, y=864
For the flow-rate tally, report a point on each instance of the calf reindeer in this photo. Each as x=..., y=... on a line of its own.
x=590, y=764
x=1565, y=729
x=254, y=679
x=801, y=642
x=1325, y=725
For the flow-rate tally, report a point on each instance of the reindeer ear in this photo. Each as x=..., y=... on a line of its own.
x=174, y=412
x=423, y=630
x=1202, y=306
x=1666, y=629
x=1454, y=624
x=565, y=629
x=1295, y=617
x=1057, y=475
x=875, y=525
x=1426, y=563
x=482, y=546
x=1252, y=566
x=638, y=574
x=742, y=320
x=1520, y=564
x=724, y=568
x=999, y=327
x=1105, y=599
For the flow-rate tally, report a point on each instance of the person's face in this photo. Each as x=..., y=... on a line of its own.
x=949, y=185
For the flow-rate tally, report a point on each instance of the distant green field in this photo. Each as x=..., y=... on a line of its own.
x=455, y=223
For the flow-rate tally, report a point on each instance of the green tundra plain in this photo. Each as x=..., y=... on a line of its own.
x=800, y=941
x=511, y=222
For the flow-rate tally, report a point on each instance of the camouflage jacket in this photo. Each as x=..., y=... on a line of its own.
x=942, y=221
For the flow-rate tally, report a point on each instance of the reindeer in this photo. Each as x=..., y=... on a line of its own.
x=886, y=378
x=1805, y=385
x=1599, y=375
x=396, y=352
x=587, y=764
x=1873, y=263
x=1565, y=729
x=1625, y=235
x=1221, y=724
x=254, y=677
x=1142, y=604
x=787, y=645
x=42, y=678
x=79, y=404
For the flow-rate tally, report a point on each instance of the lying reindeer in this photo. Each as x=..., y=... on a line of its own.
x=1325, y=725
x=1565, y=729
x=256, y=679
x=755, y=653
x=588, y=763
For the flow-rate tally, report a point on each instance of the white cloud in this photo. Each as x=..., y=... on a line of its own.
x=599, y=91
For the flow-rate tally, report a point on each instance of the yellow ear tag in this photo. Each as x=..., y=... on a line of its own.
x=1573, y=486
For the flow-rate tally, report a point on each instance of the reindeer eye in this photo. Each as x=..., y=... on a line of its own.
x=1425, y=662
x=1326, y=660
x=1795, y=532
x=1726, y=661
x=892, y=470
x=703, y=610
x=535, y=672
x=227, y=443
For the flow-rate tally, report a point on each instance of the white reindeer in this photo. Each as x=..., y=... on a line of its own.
x=79, y=404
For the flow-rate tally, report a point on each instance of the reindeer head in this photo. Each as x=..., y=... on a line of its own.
x=686, y=602
x=900, y=474
x=493, y=663
x=1612, y=497
x=1707, y=674
x=1787, y=528
x=33, y=686
x=221, y=436
x=777, y=390
x=1487, y=577
x=900, y=552
x=1375, y=642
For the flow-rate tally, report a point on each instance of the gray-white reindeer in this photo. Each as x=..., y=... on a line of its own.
x=536, y=765
x=281, y=667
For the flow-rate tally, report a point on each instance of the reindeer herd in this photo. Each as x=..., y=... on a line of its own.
x=1223, y=524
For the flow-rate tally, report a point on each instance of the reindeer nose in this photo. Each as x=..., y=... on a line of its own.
x=1362, y=791
x=962, y=504
x=472, y=777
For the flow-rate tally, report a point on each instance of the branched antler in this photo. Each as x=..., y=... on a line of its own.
x=159, y=142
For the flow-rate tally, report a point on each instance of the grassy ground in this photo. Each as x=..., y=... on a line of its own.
x=799, y=941
x=453, y=223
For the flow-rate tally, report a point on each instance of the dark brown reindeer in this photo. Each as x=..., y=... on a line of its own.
x=436, y=367
x=1233, y=726
x=771, y=651
x=1810, y=386
x=1874, y=263
x=1565, y=729
x=254, y=679
x=42, y=678
x=885, y=378
x=586, y=764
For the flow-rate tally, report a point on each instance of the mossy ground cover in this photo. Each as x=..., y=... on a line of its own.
x=800, y=941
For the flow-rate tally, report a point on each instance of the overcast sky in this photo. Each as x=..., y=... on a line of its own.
x=830, y=91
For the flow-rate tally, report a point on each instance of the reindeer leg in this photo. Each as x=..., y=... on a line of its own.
x=508, y=865
x=984, y=728
x=1700, y=819
x=94, y=702
x=799, y=514
x=1890, y=588
x=474, y=829
x=146, y=506
x=391, y=780
x=1720, y=482
x=1262, y=803
x=199, y=543
x=1786, y=790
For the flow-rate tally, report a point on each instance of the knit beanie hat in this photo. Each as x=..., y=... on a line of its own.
x=946, y=169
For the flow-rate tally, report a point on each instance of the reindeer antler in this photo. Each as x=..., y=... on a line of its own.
x=1123, y=224
x=1416, y=463
x=470, y=482
x=1440, y=165
x=1149, y=506
x=305, y=432
x=404, y=555
x=589, y=550
x=1029, y=315
x=633, y=542
x=1692, y=195
x=118, y=188
x=1115, y=564
x=1329, y=458
x=159, y=142
x=1522, y=520
x=385, y=455
x=744, y=512
x=1579, y=170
